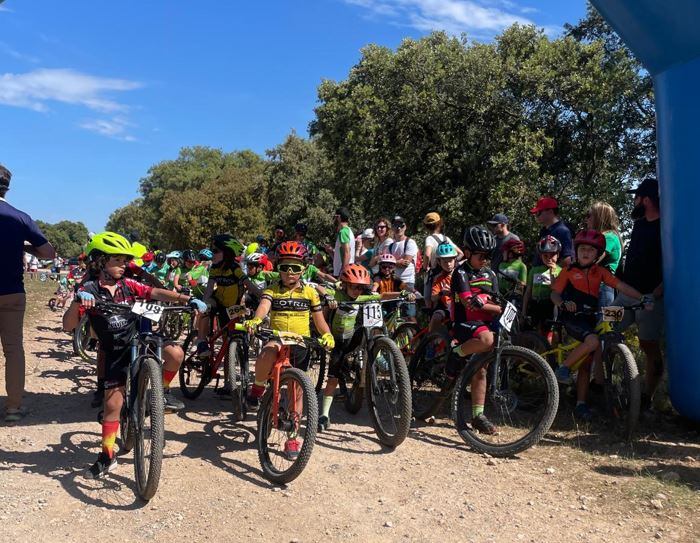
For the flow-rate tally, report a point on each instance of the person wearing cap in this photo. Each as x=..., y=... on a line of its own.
x=405, y=250
x=277, y=240
x=17, y=229
x=300, y=231
x=546, y=212
x=643, y=270
x=365, y=248
x=434, y=225
x=500, y=228
x=344, y=250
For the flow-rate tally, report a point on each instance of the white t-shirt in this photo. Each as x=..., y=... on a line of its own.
x=380, y=248
x=406, y=247
x=433, y=240
x=347, y=237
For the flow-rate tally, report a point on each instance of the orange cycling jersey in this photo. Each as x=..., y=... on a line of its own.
x=582, y=285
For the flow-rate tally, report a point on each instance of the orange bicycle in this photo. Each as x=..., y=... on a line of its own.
x=288, y=411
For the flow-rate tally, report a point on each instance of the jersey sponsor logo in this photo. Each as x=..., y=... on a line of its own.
x=117, y=322
x=293, y=304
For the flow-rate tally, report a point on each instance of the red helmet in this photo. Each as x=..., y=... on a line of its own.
x=592, y=238
x=148, y=257
x=291, y=250
x=514, y=246
x=355, y=274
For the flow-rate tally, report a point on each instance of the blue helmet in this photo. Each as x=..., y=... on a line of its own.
x=446, y=250
x=205, y=254
x=174, y=254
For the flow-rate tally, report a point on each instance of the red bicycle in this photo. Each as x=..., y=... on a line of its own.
x=228, y=348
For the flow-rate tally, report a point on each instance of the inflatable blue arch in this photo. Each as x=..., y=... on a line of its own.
x=664, y=35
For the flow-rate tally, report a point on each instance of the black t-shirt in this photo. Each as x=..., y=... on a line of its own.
x=643, y=260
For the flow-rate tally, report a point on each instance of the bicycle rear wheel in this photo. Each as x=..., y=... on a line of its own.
x=149, y=428
x=535, y=342
x=238, y=378
x=522, y=403
x=295, y=429
x=427, y=374
x=317, y=367
x=83, y=345
x=127, y=430
x=356, y=394
x=389, y=392
x=622, y=388
x=194, y=372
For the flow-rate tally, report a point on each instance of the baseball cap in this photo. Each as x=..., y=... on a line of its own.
x=432, y=218
x=368, y=233
x=648, y=187
x=498, y=218
x=544, y=203
x=398, y=220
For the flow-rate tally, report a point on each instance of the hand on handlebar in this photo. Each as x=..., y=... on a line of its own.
x=328, y=341
x=198, y=305
x=568, y=306
x=648, y=302
x=252, y=324
x=331, y=302
x=86, y=299
x=409, y=296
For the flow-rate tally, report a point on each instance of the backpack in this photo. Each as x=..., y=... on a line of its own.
x=419, y=255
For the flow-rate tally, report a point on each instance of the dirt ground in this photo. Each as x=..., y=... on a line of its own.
x=580, y=484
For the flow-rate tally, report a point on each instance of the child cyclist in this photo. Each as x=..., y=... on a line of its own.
x=289, y=303
x=576, y=289
x=512, y=270
x=440, y=293
x=472, y=313
x=111, y=253
x=537, y=303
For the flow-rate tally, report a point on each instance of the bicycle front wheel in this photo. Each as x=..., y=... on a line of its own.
x=389, y=392
x=237, y=378
x=284, y=448
x=622, y=388
x=427, y=374
x=149, y=428
x=317, y=367
x=521, y=401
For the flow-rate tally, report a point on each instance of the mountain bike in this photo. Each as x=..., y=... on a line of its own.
x=229, y=348
x=402, y=331
x=522, y=396
x=84, y=344
x=142, y=422
x=621, y=386
x=376, y=369
x=288, y=411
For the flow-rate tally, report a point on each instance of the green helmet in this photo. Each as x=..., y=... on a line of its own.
x=109, y=243
x=227, y=241
x=446, y=250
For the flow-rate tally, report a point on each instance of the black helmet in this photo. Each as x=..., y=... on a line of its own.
x=189, y=255
x=301, y=228
x=160, y=258
x=479, y=239
x=226, y=242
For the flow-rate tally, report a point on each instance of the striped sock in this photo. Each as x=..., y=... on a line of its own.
x=109, y=436
x=168, y=377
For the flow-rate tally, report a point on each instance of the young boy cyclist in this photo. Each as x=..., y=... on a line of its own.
x=512, y=270
x=441, y=290
x=575, y=289
x=537, y=303
x=472, y=313
x=111, y=253
x=290, y=303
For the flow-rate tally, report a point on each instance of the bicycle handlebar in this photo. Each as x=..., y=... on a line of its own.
x=268, y=333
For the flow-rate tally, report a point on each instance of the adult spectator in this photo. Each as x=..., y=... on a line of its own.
x=300, y=231
x=57, y=266
x=278, y=239
x=382, y=241
x=602, y=217
x=344, y=250
x=500, y=228
x=364, y=249
x=642, y=270
x=405, y=250
x=434, y=225
x=16, y=227
x=546, y=212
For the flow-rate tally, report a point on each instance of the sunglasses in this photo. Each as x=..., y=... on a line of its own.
x=380, y=227
x=290, y=268
x=398, y=226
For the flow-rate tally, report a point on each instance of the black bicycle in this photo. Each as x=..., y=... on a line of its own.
x=522, y=396
x=142, y=423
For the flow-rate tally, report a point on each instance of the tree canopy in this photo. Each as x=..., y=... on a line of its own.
x=68, y=238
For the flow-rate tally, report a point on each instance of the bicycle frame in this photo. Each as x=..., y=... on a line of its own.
x=604, y=330
x=227, y=331
x=281, y=363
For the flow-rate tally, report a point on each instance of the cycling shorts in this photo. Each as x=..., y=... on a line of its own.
x=579, y=327
x=464, y=331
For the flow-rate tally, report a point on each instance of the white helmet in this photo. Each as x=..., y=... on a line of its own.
x=254, y=258
x=387, y=258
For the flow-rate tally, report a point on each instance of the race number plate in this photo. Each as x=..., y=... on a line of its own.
x=235, y=311
x=613, y=313
x=510, y=313
x=290, y=338
x=372, y=316
x=148, y=310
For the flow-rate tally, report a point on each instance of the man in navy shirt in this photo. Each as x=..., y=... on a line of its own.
x=546, y=212
x=16, y=227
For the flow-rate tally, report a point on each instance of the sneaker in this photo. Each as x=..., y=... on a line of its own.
x=203, y=349
x=171, y=402
x=583, y=412
x=97, y=398
x=291, y=449
x=323, y=423
x=102, y=466
x=16, y=414
x=484, y=425
x=563, y=375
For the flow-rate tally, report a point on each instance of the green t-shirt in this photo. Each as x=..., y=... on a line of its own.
x=613, y=251
x=161, y=273
x=540, y=279
x=170, y=277
x=345, y=234
x=515, y=273
x=262, y=279
x=344, y=318
x=199, y=274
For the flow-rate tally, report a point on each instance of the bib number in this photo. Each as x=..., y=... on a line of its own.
x=613, y=313
x=372, y=316
x=510, y=313
x=148, y=310
x=290, y=338
x=235, y=311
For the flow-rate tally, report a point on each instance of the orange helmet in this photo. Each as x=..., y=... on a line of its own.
x=355, y=274
x=291, y=250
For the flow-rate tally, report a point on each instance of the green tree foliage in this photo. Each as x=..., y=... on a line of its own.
x=67, y=237
x=132, y=217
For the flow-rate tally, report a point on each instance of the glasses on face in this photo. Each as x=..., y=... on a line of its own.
x=398, y=226
x=381, y=227
x=291, y=268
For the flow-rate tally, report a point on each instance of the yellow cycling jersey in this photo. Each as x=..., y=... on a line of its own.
x=291, y=309
x=229, y=288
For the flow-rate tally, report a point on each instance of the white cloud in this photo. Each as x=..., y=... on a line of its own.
x=35, y=89
x=116, y=128
x=475, y=17
x=5, y=9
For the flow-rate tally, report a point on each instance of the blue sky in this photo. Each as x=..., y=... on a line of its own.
x=93, y=93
